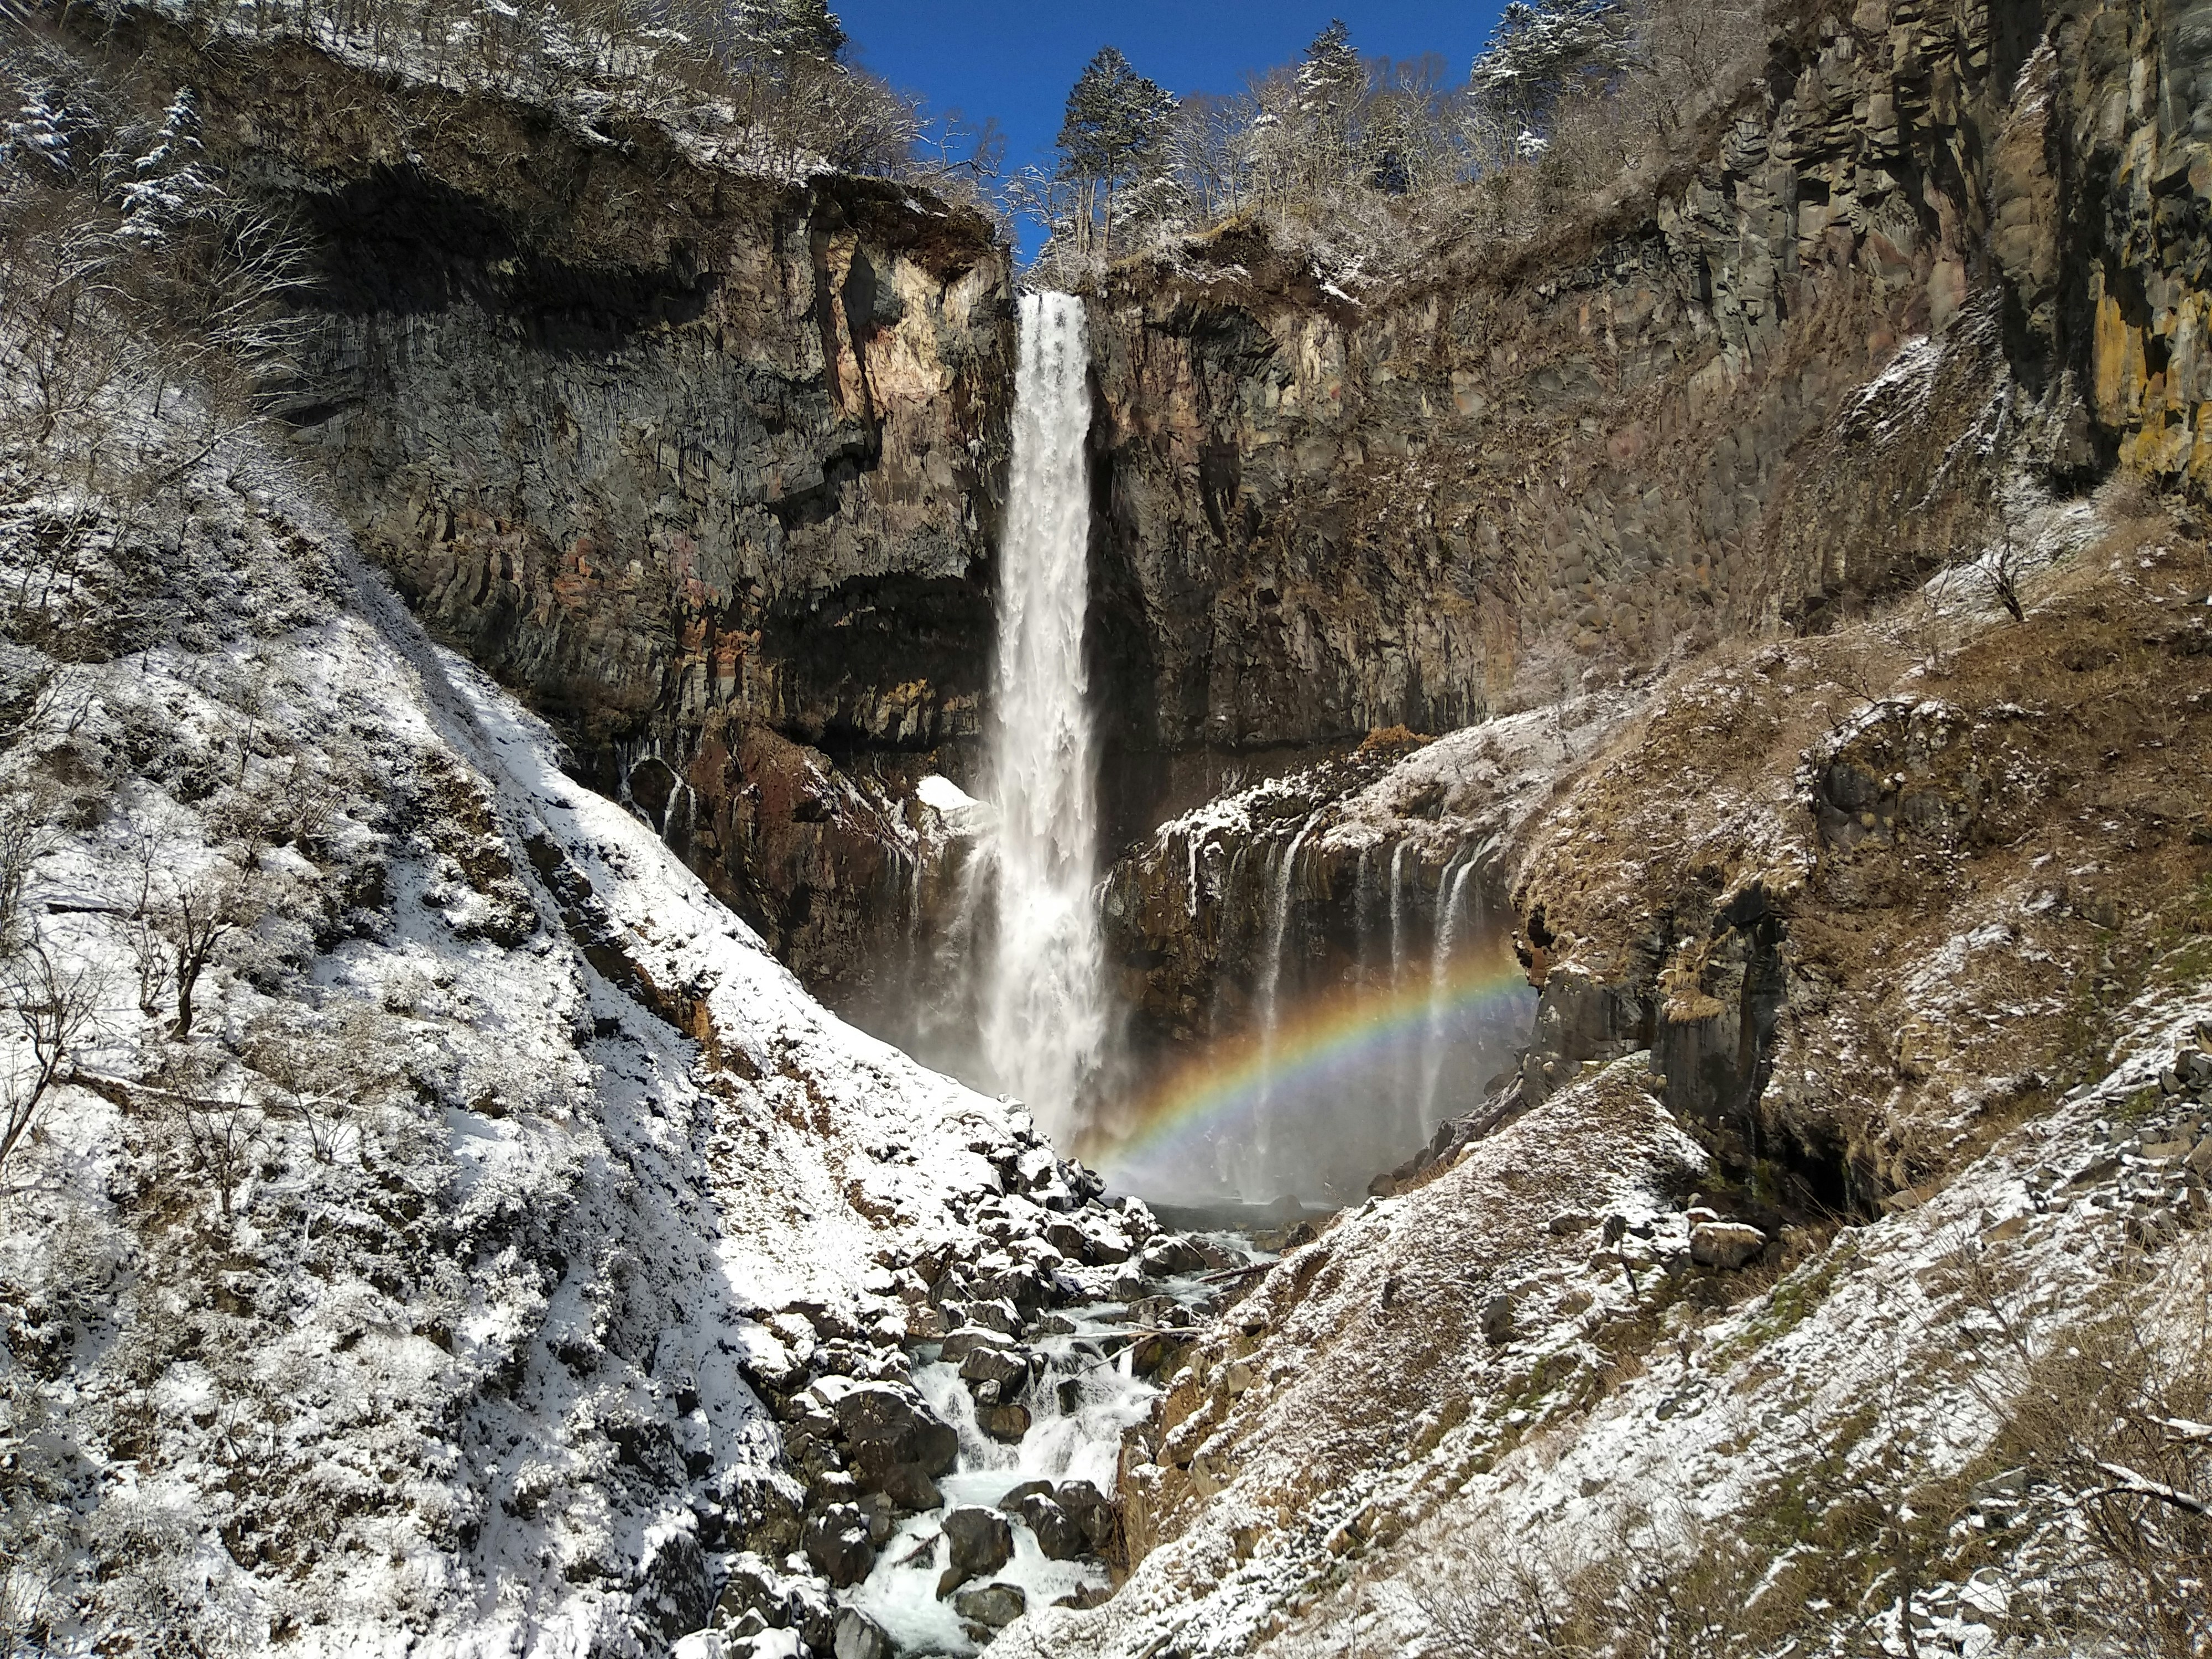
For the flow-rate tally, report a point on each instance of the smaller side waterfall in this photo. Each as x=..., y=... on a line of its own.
x=1044, y=1008
x=1279, y=920
x=1401, y=1082
x=1451, y=891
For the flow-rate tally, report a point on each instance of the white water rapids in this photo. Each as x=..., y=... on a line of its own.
x=1044, y=1005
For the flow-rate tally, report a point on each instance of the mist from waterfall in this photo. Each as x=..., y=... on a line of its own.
x=1044, y=1018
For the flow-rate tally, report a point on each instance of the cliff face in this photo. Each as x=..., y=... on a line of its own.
x=1939, y=262
x=707, y=465
x=1764, y=388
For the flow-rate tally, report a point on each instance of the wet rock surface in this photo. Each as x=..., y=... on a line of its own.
x=977, y=1543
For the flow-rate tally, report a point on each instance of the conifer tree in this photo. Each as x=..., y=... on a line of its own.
x=1116, y=130
x=1332, y=83
x=1542, y=51
x=786, y=31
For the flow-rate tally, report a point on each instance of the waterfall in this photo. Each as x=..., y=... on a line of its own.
x=1451, y=888
x=1397, y=914
x=1257, y=1167
x=1044, y=1012
x=1271, y=978
x=1402, y=1058
x=1363, y=914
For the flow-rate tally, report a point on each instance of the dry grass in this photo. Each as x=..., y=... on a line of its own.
x=2059, y=804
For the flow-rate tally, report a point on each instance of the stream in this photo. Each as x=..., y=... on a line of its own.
x=1080, y=1376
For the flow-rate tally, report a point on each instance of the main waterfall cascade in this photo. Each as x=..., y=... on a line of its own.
x=1349, y=1050
x=1044, y=1019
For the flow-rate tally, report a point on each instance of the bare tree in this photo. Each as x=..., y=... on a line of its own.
x=172, y=924
x=2005, y=567
x=49, y=1006
x=324, y=1078
x=193, y=920
x=2110, y=1418
x=26, y=835
x=225, y=1134
x=202, y=1091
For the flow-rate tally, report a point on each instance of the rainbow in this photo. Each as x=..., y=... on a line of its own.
x=1339, y=1039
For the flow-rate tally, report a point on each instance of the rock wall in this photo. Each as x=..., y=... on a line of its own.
x=1935, y=253
x=708, y=464
x=2132, y=110
x=1746, y=396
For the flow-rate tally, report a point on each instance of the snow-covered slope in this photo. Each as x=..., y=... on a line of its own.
x=404, y=1301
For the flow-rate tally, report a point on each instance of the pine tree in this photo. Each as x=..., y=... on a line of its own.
x=787, y=30
x=1332, y=84
x=810, y=26
x=1543, y=50
x=1116, y=130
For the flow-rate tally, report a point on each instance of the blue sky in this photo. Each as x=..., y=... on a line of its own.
x=1015, y=59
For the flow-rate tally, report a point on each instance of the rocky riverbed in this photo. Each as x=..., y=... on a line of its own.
x=954, y=1463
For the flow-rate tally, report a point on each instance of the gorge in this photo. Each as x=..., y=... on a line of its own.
x=1362, y=927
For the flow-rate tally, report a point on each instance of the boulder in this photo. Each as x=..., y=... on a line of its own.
x=1168, y=1256
x=837, y=1547
x=673, y=1592
x=1497, y=1317
x=994, y=1314
x=1005, y=1423
x=1164, y=1311
x=1092, y=1511
x=897, y=1423
x=1156, y=1356
x=977, y=1542
x=763, y=1513
x=860, y=1637
x=1093, y=1239
x=992, y=1605
x=754, y=1597
x=1012, y=1503
x=1725, y=1244
x=1066, y=1237
x=908, y=1487
x=968, y=1338
x=813, y=1615
x=895, y=1445
x=1009, y=1368
x=881, y=1514
x=1057, y=1534
x=1017, y=1285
